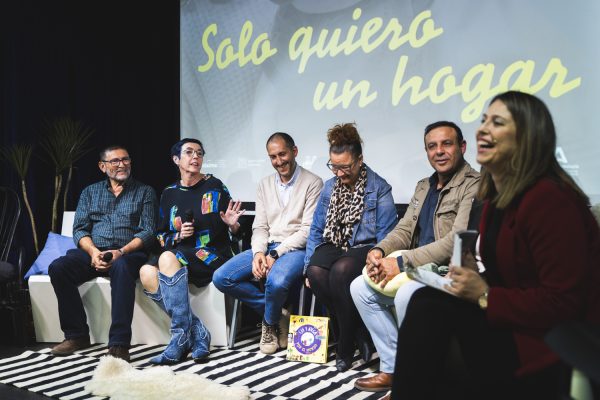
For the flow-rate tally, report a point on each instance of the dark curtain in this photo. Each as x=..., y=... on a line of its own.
x=113, y=65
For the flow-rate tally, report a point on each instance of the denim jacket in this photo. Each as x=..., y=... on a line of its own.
x=379, y=215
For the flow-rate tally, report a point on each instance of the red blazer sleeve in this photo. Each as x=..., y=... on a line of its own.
x=543, y=255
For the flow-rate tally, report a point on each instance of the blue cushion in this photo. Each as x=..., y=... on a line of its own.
x=56, y=246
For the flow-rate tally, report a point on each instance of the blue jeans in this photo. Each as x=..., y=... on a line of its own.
x=73, y=269
x=234, y=278
x=382, y=315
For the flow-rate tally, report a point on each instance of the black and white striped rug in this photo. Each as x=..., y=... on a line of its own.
x=267, y=376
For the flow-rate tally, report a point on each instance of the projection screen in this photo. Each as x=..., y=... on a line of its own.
x=253, y=67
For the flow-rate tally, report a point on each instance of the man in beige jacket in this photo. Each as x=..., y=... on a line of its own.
x=285, y=203
x=439, y=207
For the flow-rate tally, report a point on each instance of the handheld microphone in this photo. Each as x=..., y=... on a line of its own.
x=188, y=216
x=107, y=257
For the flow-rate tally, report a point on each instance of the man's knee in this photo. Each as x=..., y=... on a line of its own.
x=56, y=268
x=122, y=269
x=277, y=283
x=219, y=278
x=358, y=288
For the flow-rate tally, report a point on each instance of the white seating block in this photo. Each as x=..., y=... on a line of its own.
x=150, y=324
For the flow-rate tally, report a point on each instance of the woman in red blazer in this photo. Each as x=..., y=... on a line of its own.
x=540, y=246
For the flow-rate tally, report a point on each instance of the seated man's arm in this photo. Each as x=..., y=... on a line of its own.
x=260, y=225
x=86, y=244
x=147, y=225
x=400, y=238
x=297, y=240
x=82, y=223
x=82, y=227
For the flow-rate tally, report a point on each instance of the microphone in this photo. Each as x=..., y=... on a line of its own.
x=107, y=257
x=188, y=216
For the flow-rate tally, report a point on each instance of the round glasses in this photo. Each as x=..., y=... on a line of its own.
x=344, y=168
x=116, y=161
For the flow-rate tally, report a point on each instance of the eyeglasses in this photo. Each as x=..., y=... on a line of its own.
x=190, y=153
x=116, y=161
x=344, y=168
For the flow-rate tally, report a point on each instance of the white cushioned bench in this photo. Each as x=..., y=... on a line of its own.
x=150, y=324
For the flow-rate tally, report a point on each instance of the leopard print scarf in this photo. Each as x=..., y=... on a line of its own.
x=345, y=209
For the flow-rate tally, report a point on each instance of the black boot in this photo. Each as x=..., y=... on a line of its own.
x=365, y=344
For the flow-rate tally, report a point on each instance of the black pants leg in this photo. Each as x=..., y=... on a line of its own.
x=432, y=319
x=66, y=274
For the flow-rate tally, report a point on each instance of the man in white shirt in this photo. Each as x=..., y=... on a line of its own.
x=285, y=202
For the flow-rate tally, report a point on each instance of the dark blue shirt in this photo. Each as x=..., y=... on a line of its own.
x=426, y=232
x=112, y=222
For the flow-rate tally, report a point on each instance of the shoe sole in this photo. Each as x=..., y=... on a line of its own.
x=60, y=354
x=373, y=390
x=67, y=353
x=268, y=352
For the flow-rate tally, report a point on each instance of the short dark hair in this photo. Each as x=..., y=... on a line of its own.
x=289, y=141
x=449, y=124
x=110, y=148
x=176, y=148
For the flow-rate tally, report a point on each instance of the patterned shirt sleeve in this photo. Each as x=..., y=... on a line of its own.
x=82, y=224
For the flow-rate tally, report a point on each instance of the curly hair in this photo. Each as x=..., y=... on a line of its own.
x=345, y=138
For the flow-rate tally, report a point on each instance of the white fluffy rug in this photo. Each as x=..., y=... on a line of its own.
x=116, y=378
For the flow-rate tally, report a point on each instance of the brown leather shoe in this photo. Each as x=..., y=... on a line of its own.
x=119, y=352
x=69, y=346
x=377, y=383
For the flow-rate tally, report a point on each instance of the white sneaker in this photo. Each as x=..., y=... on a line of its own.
x=268, y=339
x=284, y=328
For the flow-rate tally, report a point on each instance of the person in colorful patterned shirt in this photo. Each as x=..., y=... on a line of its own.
x=196, y=216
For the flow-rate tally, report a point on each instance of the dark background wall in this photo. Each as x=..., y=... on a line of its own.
x=113, y=65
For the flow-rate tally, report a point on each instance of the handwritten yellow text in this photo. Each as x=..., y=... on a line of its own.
x=329, y=100
x=421, y=30
x=226, y=52
x=476, y=87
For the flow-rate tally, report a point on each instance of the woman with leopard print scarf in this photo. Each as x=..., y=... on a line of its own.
x=356, y=210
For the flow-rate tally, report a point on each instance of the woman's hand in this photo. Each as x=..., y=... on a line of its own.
x=469, y=261
x=232, y=214
x=466, y=283
x=187, y=230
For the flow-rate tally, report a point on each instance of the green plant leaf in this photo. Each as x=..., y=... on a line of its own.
x=18, y=156
x=65, y=142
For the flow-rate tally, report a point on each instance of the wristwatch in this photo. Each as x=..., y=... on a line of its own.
x=274, y=254
x=482, y=300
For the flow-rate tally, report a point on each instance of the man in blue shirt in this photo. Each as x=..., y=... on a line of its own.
x=439, y=207
x=114, y=226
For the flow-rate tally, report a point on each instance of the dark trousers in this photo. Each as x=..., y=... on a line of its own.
x=433, y=318
x=73, y=269
x=330, y=272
